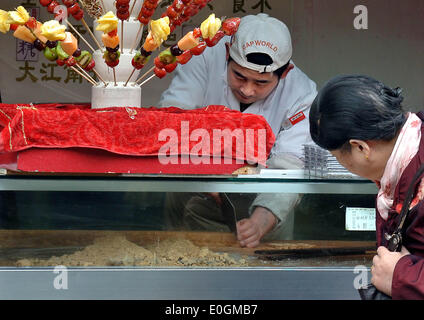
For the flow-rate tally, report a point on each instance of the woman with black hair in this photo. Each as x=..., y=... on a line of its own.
x=362, y=123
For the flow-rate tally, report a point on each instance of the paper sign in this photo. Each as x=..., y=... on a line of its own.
x=360, y=219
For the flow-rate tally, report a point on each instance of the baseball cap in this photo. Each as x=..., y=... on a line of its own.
x=261, y=34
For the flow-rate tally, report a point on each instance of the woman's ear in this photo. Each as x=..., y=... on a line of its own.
x=361, y=147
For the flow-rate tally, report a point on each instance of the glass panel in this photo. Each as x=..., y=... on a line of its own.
x=43, y=228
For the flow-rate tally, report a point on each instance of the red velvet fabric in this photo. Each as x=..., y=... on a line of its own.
x=132, y=131
x=84, y=160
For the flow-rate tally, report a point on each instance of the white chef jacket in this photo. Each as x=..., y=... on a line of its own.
x=203, y=82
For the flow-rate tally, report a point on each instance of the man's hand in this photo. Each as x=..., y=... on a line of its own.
x=383, y=266
x=250, y=231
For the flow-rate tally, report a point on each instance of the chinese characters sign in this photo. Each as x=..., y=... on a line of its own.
x=49, y=72
x=242, y=6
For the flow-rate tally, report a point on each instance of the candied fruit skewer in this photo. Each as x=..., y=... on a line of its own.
x=167, y=60
x=140, y=59
x=146, y=12
x=73, y=9
x=108, y=24
x=51, y=7
x=212, y=30
x=132, y=7
x=159, y=32
x=123, y=13
x=45, y=37
x=147, y=80
x=181, y=11
x=81, y=37
x=65, y=46
x=30, y=30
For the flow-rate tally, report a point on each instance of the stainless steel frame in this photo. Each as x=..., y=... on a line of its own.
x=180, y=184
x=184, y=284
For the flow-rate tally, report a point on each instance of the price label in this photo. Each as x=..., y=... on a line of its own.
x=360, y=219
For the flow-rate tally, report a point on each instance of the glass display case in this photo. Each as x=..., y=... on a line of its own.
x=104, y=237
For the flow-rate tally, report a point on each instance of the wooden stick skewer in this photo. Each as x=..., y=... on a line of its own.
x=140, y=30
x=91, y=33
x=103, y=6
x=145, y=75
x=114, y=76
x=88, y=78
x=81, y=37
x=132, y=7
x=100, y=77
x=84, y=76
x=122, y=36
x=147, y=80
x=129, y=77
x=86, y=73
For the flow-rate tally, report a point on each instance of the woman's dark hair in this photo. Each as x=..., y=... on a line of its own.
x=263, y=59
x=355, y=107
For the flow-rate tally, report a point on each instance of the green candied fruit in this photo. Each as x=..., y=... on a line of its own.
x=60, y=53
x=140, y=59
x=50, y=54
x=111, y=56
x=145, y=59
x=84, y=59
x=167, y=57
x=137, y=56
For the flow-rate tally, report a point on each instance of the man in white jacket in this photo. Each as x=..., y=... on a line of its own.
x=251, y=72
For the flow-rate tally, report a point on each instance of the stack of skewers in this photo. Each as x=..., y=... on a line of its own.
x=320, y=163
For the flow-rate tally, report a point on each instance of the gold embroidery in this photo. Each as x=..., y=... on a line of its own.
x=23, y=126
x=5, y=115
x=24, y=107
x=131, y=113
x=10, y=136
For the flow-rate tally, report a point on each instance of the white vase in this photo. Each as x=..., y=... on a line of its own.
x=118, y=94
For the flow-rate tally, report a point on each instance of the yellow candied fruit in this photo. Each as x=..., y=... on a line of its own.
x=53, y=30
x=20, y=16
x=160, y=30
x=210, y=27
x=4, y=21
x=107, y=22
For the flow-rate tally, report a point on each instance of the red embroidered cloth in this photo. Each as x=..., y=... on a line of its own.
x=137, y=131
